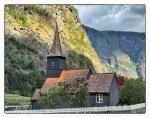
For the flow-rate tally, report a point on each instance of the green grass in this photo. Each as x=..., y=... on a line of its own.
x=13, y=98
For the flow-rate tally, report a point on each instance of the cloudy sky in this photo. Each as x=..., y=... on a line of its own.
x=113, y=17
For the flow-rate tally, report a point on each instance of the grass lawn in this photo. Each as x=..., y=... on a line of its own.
x=17, y=98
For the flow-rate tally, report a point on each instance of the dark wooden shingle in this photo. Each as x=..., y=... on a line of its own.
x=100, y=82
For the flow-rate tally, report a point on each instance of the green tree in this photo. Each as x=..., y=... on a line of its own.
x=73, y=91
x=22, y=73
x=54, y=97
x=76, y=92
x=75, y=60
x=39, y=80
x=6, y=85
x=133, y=91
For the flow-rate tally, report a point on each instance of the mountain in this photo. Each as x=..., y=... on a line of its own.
x=29, y=34
x=120, y=51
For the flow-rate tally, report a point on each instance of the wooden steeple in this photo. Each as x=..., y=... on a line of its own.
x=56, y=46
x=56, y=62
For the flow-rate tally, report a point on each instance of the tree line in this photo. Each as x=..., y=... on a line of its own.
x=22, y=74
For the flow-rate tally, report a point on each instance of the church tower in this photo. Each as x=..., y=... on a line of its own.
x=56, y=62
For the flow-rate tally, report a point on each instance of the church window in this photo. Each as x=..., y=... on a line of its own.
x=99, y=98
x=52, y=63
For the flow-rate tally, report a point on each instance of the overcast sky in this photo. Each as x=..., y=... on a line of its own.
x=113, y=17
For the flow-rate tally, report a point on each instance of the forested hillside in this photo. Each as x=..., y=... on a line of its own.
x=29, y=34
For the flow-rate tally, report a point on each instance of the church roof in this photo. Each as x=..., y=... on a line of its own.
x=56, y=46
x=100, y=83
x=66, y=74
x=36, y=95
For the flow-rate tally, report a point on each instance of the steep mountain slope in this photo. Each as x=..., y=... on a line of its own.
x=36, y=24
x=121, y=52
x=29, y=33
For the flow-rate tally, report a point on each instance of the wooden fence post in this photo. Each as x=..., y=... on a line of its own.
x=105, y=108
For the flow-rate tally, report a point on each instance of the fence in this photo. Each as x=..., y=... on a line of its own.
x=81, y=110
x=22, y=107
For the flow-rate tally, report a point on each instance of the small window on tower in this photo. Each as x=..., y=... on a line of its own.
x=52, y=63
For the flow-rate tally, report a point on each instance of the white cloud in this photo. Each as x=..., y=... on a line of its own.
x=113, y=17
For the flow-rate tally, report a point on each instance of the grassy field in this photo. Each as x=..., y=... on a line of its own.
x=22, y=100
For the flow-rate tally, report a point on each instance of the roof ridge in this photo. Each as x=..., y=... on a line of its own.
x=76, y=69
x=101, y=73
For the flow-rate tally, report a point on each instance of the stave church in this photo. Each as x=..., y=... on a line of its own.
x=103, y=87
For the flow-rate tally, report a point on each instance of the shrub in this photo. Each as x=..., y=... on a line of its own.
x=38, y=10
x=73, y=91
x=133, y=91
x=16, y=92
x=41, y=26
x=80, y=60
x=18, y=16
x=11, y=103
x=121, y=80
x=23, y=18
x=74, y=9
x=22, y=45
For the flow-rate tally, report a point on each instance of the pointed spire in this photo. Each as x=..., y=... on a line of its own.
x=56, y=47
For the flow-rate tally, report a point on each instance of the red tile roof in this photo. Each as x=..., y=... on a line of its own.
x=66, y=74
x=100, y=82
x=97, y=82
x=36, y=95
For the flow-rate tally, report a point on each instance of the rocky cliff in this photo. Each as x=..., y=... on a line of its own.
x=121, y=52
x=34, y=25
x=29, y=34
